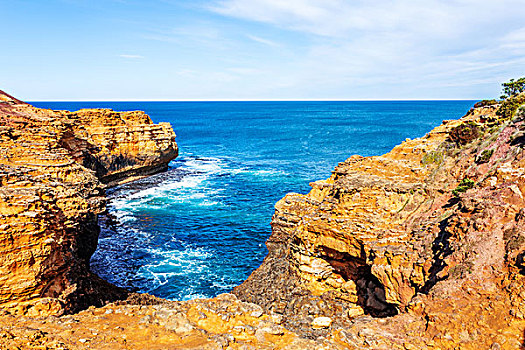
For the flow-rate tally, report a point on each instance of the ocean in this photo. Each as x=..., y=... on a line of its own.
x=199, y=229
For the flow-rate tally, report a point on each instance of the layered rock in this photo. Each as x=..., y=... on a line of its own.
x=432, y=231
x=420, y=248
x=51, y=167
x=119, y=146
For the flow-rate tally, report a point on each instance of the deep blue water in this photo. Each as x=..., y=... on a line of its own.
x=199, y=229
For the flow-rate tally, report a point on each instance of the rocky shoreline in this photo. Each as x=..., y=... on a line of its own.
x=421, y=248
x=54, y=168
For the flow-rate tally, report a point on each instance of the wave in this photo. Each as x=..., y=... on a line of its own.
x=159, y=257
x=192, y=181
x=174, y=263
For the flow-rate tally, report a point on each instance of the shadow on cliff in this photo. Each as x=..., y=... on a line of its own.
x=371, y=294
x=440, y=250
x=111, y=168
x=68, y=274
x=82, y=152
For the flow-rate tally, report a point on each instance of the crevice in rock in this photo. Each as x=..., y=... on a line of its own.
x=370, y=292
x=441, y=248
x=82, y=152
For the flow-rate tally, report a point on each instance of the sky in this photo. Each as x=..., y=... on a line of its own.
x=82, y=50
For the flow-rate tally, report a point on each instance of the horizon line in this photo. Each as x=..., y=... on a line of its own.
x=252, y=100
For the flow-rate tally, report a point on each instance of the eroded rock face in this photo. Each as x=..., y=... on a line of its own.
x=402, y=234
x=119, y=146
x=51, y=167
x=421, y=248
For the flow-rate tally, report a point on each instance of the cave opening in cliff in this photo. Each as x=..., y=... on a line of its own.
x=366, y=288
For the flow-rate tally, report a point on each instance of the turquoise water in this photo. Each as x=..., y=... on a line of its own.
x=199, y=229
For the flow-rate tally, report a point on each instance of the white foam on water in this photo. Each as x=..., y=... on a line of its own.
x=206, y=165
x=123, y=216
x=188, y=254
x=222, y=284
x=191, y=189
x=173, y=263
x=165, y=265
x=193, y=296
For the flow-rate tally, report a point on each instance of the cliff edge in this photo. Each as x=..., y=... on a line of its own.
x=424, y=245
x=53, y=167
x=420, y=248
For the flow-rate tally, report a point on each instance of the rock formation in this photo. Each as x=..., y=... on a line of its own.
x=420, y=248
x=433, y=231
x=51, y=167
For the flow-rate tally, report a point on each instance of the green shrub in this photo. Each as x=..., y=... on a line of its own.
x=508, y=108
x=513, y=87
x=435, y=157
x=485, y=103
x=485, y=156
x=464, y=185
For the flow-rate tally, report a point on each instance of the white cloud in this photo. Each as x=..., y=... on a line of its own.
x=262, y=40
x=402, y=46
x=338, y=18
x=131, y=56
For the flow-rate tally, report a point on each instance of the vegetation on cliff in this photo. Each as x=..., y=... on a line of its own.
x=513, y=88
x=513, y=98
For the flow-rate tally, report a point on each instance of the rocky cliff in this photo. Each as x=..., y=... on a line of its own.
x=420, y=248
x=433, y=232
x=52, y=168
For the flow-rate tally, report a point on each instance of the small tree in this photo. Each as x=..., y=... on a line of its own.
x=513, y=87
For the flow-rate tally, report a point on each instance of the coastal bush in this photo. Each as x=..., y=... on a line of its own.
x=464, y=133
x=434, y=157
x=513, y=87
x=464, y=185
x=485, y=156
x=485, y=103
x=520, y=114
x=510, y=106
x=461, y=270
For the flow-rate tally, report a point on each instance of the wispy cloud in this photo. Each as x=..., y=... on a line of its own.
x=200, y=32
x=339, y=18
x=403, y=45
x=132, y=57
x=263, y=41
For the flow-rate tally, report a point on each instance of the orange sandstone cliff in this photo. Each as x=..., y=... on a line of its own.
x=52, y=168
x=421, y=248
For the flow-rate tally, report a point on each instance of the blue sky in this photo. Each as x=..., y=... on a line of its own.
x=260, y=49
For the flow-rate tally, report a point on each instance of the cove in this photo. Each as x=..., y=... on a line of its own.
x=199, y=229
